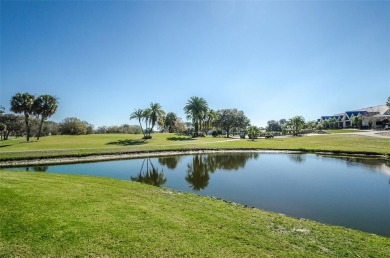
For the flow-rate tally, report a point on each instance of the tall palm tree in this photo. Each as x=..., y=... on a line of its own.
x=155, y=114
x=209, y=119
x=196, y=109
x=44, y=106
x=138, y=114
x=23, y=103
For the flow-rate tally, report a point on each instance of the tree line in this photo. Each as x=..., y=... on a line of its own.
x=203, y=119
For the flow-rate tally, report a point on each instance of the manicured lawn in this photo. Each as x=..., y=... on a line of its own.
x=52, y=215
x=55, y=146
x=344, y=131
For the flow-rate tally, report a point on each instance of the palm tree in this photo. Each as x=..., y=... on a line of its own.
x=209, y=119
x=296, y=123
x=170, y=121
x=138, y=114
x=146, y=117
x=23, y=103
x=253, y=132
x=195, y=109
x=155, y=114
x=45, y=106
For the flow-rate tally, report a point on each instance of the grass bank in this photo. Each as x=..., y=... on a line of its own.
x=62, y=146
x=56, y=215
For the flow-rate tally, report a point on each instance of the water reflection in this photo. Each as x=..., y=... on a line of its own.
x=149, y=174
x=202, y=165
x=299, y=157
x=38, y=168
x=379, y=165
x=171, y=162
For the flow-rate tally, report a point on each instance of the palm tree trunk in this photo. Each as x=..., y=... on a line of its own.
x=40, y=127
x=143, y=132
x=27, y=126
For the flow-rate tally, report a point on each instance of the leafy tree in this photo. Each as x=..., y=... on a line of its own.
x=195, y=110
x=74, y=126
x=23, y=103
x=44, y=106
x=388, y=102
x=274, y=126
x=296, y=124
x=230, y=118
x=253, y=132
x=13, y=124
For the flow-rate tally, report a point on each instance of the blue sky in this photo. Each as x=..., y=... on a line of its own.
x=271, y=59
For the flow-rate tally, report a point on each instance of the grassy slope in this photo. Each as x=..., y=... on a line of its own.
x=119, y=143
x=62, y=215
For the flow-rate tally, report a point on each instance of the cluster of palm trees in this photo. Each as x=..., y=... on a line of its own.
x=198, y=111
x=43, y=106
x=150, y=116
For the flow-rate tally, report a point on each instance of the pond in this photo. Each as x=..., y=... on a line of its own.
x=351, y=192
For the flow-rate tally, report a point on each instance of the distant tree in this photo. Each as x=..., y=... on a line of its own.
x=13, y=124
x=332, y=122
x=44, y=106
x=195, y=110
x=230, y=118
x=180, y=126
x=358, y=121
x=74, y=126
x=51, y=128
x=282, y=122
x=170, y=121
x=23, y=103
x=296, y=124
x=388, y=102
x=253, y=132
x=274, y=126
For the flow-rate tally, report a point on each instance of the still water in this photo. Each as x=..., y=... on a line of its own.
x=351, y=192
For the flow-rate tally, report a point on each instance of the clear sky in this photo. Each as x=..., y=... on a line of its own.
x=271, y=59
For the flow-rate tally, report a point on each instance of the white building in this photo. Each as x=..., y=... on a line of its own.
x=374, y=117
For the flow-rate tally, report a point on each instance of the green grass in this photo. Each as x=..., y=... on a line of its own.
x=52, y=215
x=56, y=146
x=344, y=131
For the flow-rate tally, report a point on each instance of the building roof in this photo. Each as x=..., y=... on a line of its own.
x=380, y=110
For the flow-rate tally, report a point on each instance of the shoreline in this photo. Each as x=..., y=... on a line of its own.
x=135, y=155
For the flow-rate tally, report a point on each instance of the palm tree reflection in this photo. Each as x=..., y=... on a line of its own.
x=198, y=172
x=150, y=176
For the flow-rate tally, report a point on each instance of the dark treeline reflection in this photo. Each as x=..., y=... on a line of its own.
x=202, y=165
x=149, y=174
x=37, y=168
x=372, y=163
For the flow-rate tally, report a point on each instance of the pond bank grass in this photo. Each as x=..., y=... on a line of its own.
x=54, y=215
